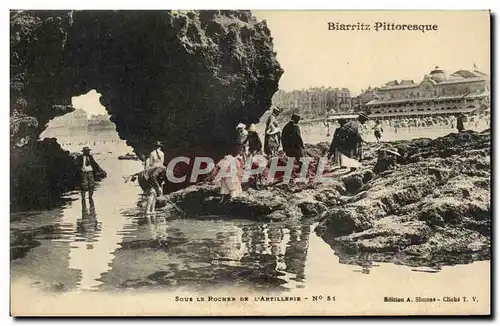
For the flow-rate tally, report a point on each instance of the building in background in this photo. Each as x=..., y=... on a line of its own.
x=76, y=119
x=100, y=121
x=439, y=93
x=314, y=102
x=358, y=102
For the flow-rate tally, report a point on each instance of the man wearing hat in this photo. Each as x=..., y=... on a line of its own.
x=90, y=172
x=272, y=134
x=156, y=157
x=348, y=141
x=292, y=139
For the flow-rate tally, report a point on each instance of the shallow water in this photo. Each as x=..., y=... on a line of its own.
x=111, y=246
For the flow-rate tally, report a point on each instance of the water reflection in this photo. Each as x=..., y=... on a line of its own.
x=110, y=245
x=199, y=254
x=88, y=227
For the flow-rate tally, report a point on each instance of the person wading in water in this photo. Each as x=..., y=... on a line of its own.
x=90, y=172
x=151, y=181
x=272, y=136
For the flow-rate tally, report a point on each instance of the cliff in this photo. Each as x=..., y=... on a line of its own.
x=184, y=78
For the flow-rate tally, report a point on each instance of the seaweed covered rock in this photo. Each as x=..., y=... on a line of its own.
x=423, y=209
x=184, y=78
x=204, y=200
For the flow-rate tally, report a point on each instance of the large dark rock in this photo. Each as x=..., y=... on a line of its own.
x=184, y=78
x=39, y=173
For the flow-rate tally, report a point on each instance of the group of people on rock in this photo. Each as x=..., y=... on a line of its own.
x=345, y=152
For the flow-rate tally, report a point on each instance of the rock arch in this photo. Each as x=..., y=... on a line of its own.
x=185, y=78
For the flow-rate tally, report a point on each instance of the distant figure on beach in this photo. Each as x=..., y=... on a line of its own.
x=378, y=130
x=272, y=134
x=291, y=138
x=90, y=172
x=327, y=125
x=460, y=122
x=348, y=141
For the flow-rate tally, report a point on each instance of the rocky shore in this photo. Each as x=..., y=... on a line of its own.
x=430, y=206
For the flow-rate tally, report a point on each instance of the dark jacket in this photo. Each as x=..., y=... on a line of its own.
x=291, y=140
x=460, y=123
x=333, y=145
x=254, y=142
x=99, y=173
x=347, y=139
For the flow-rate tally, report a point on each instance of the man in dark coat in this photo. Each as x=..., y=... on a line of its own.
x=348, y=140
x=460, y=122
x=90, y=172
x=291, y=138
x=334, y=151
x=253, y=140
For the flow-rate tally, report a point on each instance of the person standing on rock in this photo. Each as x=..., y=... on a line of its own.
x=378, y=130
x=253, y=139
x=348, y=141
x=254, y=150
x=291, y=138
x=272, y=134
x=231, y=168
x=460, y=122
x=90, y=172
x=242, y=139
x=334, y=151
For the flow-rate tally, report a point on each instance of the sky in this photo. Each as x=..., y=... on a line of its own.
x=89, y=102
x=313, y=56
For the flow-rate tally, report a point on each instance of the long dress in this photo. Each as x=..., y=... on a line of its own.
x=230, y=182
x=272, y=137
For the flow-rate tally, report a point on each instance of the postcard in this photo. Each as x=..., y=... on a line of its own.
x=250, y=163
